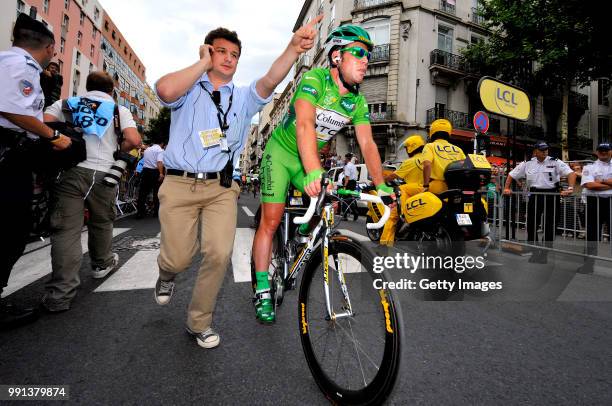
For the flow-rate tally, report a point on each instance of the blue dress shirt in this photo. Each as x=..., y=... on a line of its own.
x=195, y=111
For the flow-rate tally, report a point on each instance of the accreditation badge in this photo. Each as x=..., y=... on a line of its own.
x=211, y=138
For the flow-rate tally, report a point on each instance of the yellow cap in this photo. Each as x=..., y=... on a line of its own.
x=440, y=124
x=413, y=142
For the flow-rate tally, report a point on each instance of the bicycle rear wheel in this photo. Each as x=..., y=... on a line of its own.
x=353, y=360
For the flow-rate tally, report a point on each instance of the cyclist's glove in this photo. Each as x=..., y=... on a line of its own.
x=312, y=176
x=384, y=190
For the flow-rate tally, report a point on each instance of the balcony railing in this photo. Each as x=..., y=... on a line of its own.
x=476, y=17
x=447, y=8
x=387, y=115
x=359, y=4
x=452, y=61
x=303, y=61
x=380, y=53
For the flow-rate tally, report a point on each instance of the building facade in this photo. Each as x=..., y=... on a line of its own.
x=75, y=24
x=87, y=40
x=128, y=71
x=417, y=74
x=152, y=104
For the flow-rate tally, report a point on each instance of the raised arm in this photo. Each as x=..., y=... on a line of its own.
x=301, y=41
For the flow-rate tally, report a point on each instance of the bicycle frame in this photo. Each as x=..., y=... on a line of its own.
x=322, y=233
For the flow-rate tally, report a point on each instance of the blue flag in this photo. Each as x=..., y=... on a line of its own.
x=93, y=116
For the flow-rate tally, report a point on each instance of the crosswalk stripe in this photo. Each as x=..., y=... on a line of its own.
x=248, y=211
x=241, y=256
x=138, y=272
x=37, y=264
x=141, y=271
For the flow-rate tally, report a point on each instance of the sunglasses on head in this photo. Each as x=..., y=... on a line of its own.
x=357, y=52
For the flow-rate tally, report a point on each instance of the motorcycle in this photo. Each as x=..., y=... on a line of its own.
x=443, y=223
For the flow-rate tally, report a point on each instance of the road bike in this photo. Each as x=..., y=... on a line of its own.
x=350, y=330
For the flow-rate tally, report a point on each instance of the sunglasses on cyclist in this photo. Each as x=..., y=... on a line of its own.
x=357, y=52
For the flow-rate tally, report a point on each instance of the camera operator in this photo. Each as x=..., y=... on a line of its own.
x=21, y=113
x=108, y=130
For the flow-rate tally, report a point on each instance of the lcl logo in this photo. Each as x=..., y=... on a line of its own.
x=416, y=203
x=506, y=96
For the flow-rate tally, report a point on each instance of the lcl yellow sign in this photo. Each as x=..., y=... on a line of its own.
x=503, y=99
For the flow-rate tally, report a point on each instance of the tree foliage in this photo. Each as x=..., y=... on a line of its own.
x=159, y=127
x=543, y=44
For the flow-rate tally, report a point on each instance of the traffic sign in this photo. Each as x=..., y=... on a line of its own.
x=481, y=122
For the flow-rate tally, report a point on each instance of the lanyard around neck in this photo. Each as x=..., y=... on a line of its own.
x=220, y=113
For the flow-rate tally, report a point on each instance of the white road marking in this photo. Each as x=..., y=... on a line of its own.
x=241, y=256
x=248, y=211
x=138, y=272
x=37, y=264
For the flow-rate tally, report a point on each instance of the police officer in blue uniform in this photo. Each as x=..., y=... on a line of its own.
x=543, y=174
x=21, y=125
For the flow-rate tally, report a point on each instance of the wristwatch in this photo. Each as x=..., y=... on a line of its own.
x=56, y=136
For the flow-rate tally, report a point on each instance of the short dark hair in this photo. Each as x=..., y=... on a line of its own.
x=24, y=38
x=100, y=81
x=416, y=151
x=225, y=34
x=54, y=64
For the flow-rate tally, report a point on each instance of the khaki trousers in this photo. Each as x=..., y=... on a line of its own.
x=185, y=205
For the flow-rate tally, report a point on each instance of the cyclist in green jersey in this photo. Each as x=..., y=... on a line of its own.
x=326, y=100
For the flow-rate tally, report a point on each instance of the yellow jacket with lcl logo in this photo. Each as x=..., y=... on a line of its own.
x=441, y=153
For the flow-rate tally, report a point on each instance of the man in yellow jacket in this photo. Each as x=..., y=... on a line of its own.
x=437, y=154
x=411, y=171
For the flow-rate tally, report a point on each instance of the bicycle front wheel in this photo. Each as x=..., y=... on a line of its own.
x=354, y=360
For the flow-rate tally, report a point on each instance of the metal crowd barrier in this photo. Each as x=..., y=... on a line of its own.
x=513, y=217
x=127, y=194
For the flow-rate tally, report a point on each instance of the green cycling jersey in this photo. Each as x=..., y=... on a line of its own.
x=281, y=163
x=333, y=112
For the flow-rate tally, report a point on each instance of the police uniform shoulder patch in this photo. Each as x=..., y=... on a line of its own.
x=26, y=87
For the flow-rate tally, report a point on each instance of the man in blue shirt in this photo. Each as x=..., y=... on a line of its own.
x=210, y=118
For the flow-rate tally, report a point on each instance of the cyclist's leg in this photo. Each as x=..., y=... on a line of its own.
x=275, y=177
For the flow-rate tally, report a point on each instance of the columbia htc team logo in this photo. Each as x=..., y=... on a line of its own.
x=328, y=123
x=310, y=89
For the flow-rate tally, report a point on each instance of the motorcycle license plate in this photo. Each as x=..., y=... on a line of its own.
x=463, y=219
x=468, y=207
x=295, y=201
x=297, y=193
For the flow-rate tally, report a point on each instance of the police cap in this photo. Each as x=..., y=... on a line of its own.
x=604, y=146
x=541, y=145
x=25, y=22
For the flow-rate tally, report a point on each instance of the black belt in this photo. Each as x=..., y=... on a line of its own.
x=200, y=175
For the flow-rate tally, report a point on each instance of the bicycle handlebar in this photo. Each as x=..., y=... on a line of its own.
x=361, y=196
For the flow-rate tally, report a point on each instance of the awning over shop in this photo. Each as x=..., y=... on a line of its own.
x=495, y=160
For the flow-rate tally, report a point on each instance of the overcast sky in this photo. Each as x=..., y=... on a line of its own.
x=166, y=35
